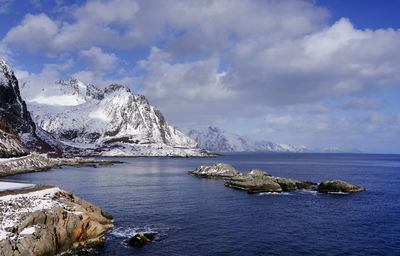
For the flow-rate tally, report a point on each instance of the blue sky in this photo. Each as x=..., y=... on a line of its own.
x=320, y=73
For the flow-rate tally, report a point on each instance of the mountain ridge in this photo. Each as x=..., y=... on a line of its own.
x=218, y=140
x=109, y=121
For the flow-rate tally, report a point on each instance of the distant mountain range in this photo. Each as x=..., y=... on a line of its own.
x=218, y=140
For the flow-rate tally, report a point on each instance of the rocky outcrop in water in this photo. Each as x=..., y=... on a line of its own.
x=141, y=239
x=337, y=186
x=254, y=181
x=217, y=171
x=49, y=221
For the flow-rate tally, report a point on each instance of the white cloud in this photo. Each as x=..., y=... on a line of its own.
x=36, y=32
x=32, y=83
x=98, y=60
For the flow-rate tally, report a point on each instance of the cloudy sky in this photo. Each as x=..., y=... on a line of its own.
x=322, y=73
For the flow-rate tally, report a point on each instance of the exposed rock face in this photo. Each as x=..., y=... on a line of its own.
x=218, y=140
x=254, y=181
x=10, y=143
x=108, y=122
x=333, y=186
x=14, y=112
x=49, y=221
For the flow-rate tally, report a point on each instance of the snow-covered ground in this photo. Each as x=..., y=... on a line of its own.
x=13, y=207
x=6, y=186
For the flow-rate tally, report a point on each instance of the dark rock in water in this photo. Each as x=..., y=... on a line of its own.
x=106, y=215
x=217, y=171
x=141, y=239
x=338, y=186
x=254, y=181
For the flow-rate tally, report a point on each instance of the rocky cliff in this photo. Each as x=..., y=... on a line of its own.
x=48, y=221
x=109, y=121
x=10, y=143
x=14, y=113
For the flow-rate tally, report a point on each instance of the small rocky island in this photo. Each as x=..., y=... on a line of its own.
x=48, y=221
x=257, y=181
x=254, y=181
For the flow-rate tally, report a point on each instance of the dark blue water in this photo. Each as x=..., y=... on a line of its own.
x=202, y=217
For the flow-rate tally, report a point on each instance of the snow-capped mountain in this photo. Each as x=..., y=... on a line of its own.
x=14, y=114
x=109, y=121
x=217, y=140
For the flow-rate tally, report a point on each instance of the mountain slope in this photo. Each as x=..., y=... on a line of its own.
x=217, y=140
x=13, y=111
x=112, y=121
x=10, y=143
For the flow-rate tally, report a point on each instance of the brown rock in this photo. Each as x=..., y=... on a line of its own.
x=73, y=224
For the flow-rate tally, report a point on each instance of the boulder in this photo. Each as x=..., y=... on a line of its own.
x=141, y=239
x=338, y=186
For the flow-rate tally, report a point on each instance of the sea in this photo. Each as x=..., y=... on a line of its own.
x=194, y=216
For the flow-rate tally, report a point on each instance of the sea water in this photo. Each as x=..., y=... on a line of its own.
x=194, y=216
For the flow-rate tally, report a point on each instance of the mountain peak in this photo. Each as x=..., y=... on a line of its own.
x=6, y=73
x=116, y=87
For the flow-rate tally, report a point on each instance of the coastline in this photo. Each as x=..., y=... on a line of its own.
x=47, y=220
x=37, y=163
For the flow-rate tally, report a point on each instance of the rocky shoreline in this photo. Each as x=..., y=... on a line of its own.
x=49, y=221
x=257, y=181
x=38, y=162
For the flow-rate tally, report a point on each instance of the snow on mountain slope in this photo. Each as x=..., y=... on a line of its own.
x=112, y=121
x=13, y=111
x=217, y=140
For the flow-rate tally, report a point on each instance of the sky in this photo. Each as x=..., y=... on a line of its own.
x=318, y=73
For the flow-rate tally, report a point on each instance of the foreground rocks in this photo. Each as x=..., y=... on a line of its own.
x=336, y=186
x=48, y=221
x=254, y=181
x=36, y=163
